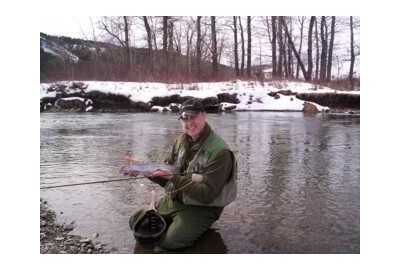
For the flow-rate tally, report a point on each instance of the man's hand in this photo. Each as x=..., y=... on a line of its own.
x=165, y=173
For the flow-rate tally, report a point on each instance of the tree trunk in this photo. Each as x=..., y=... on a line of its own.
x=293, y=47
x=165, y=46
x=285, y=58
x=198, y=46
x=280, y=45
x=248, y=46
x=214, y=48
x=330, y=53
x=242, y=39
x=170, y=55
x=352, y=57
x=301, y=43
x=309, y=49
x=170, y=35
x=165, y=33
x=128, y=51
x=324, y=46
x=235, y=46
x=149, y=45
x=317, y=52
x=274, y=71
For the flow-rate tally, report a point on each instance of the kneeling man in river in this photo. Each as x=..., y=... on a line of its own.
x=204, y=182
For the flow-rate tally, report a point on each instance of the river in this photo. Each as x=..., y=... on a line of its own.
x=298, y=181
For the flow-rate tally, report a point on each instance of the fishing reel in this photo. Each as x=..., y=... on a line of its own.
x=149, y=227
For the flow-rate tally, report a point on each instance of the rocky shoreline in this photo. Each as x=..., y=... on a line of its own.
x=55, y=238
x=75, y=97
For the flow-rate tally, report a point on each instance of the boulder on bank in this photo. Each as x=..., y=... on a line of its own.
x=332, y=100
x=309, y=108
x=74, y=104
x=228, y=98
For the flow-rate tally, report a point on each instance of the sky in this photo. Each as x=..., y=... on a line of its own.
x=71, y=26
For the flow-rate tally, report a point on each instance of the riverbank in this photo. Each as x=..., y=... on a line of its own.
x=96, y=96
x=55, y=238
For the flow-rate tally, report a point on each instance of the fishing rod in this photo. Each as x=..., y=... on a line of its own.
x=94, y=182
x=103, y=181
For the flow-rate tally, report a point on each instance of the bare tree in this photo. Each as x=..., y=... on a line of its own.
x=189, y=41
x=330, y=51
x=214, y=48
x=198, y=45
x=324, y=49
x=170, y=34
x=317, y=51
x=352, y=54
x=293, y=47
x=248, y=46
x=128, y=50
x=235, y=50
x=301, y=21
x=274, y=65
x=309, y=49
x=149, y=42
x=165, y=33
x=331, y=46
x=115, y=29
x=280, y=45
x=242, y=41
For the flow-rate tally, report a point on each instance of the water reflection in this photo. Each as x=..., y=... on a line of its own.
x=298, y=188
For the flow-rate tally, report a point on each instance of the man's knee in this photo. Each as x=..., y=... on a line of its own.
x=181, y=234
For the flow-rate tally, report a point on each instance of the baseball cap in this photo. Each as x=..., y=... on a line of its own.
x=191, y=107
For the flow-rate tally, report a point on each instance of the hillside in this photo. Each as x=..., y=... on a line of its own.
x=65, y=58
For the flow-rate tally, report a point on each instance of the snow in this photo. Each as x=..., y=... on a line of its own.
x=252, y=95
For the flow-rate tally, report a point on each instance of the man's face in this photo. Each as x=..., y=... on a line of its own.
x=193, y=125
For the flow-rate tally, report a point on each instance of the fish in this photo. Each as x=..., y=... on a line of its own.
x=145, y=168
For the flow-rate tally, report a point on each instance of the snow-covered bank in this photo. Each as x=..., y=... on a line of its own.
x=250, y=95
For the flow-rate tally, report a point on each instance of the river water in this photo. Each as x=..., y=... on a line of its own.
x=298, y=187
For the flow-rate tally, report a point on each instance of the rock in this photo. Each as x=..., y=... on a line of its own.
x=309, y=108
x=84, y=240
x=286, y=92
x=59, y=238
x=76, y=104
x=95, y=235
x=69, y=227
x=228, y=98
x=174, y=107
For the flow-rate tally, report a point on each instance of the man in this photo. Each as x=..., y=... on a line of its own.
x=204, y=184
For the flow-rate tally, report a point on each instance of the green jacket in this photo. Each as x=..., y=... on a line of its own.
x=208, y=169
